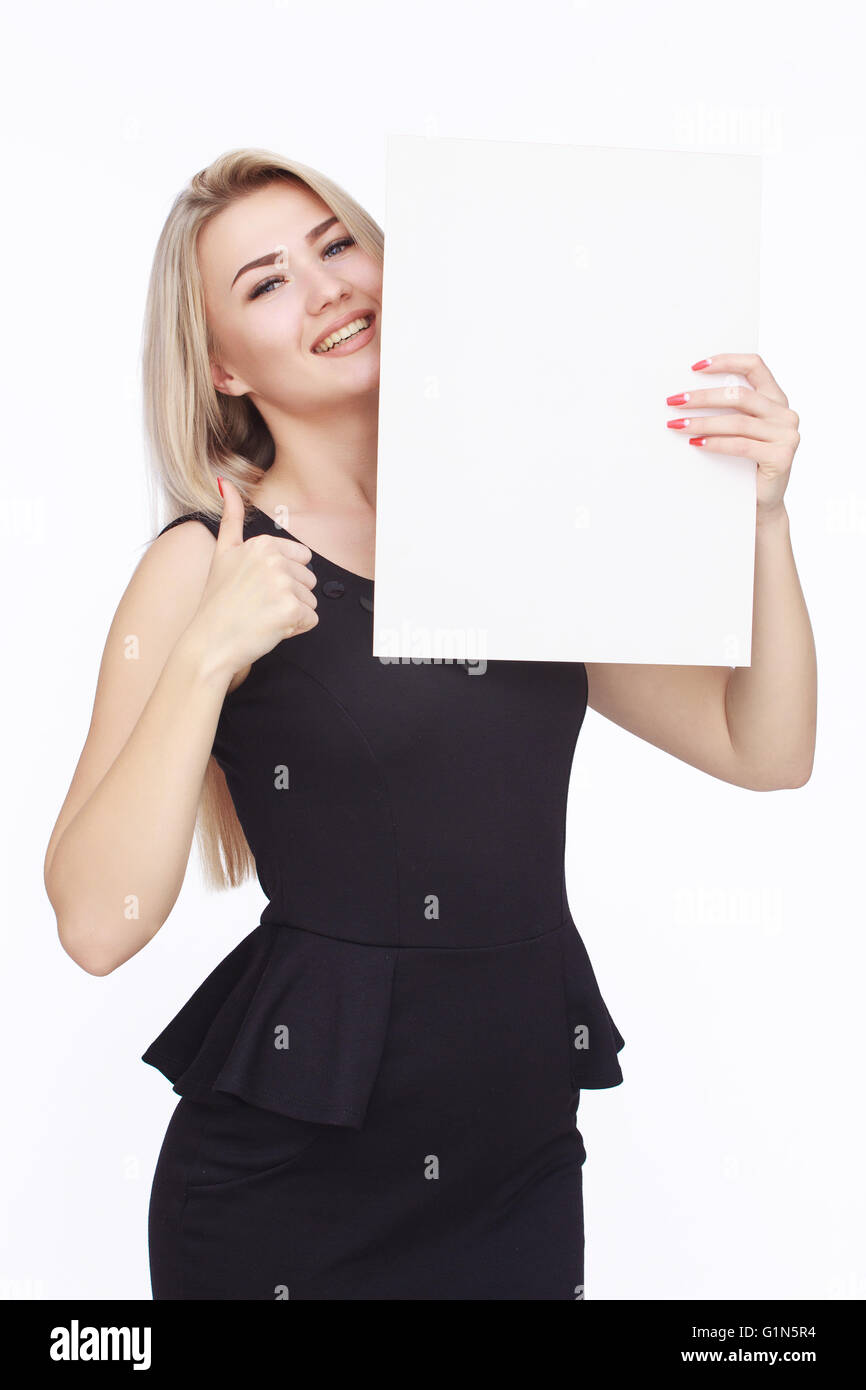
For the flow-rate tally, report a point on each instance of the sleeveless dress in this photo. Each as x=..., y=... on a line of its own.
x=380, y=1082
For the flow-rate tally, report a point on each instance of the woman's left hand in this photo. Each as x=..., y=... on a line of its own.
x=763, y=428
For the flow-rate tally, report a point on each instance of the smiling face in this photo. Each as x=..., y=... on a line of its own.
x=279, y=271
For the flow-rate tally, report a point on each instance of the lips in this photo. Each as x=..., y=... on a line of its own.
x=341, y=323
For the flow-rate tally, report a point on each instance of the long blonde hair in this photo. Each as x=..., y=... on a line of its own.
x=194, y=433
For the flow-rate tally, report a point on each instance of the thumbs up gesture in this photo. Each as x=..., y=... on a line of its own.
x=258, y=592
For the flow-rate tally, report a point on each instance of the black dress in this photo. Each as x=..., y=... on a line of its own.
x=380, y=1082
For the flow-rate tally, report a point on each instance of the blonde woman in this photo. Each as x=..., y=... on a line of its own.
x=379, y=1084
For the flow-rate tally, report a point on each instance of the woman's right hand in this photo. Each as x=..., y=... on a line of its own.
x=258, y=592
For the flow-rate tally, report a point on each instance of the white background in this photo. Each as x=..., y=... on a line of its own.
x=725, y=926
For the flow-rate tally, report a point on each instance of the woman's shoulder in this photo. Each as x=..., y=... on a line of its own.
x=175, y=564
x=210, y=522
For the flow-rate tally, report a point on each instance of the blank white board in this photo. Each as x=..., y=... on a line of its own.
x=539, y=304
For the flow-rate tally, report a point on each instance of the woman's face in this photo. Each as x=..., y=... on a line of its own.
x=267, y=317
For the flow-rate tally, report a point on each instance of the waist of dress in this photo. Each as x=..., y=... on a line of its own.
x=473, y=935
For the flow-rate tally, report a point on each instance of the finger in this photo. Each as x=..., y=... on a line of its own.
x=752, y=367
x=735, y=424
x=298, y=562
x=231, y=532
x=741, y=398
x=296, y=553
x=772, y=455
x=305, y=594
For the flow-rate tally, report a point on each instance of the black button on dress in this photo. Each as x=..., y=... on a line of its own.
x=380, y=1082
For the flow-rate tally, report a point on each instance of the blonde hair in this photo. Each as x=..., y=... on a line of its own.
x=193, y=432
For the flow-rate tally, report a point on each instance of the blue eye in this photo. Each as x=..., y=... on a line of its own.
x=344, y=241
x=264, y=287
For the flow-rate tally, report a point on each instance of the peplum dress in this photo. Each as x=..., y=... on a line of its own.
x=379, y=1084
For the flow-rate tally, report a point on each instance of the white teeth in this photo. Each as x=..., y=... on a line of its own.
x=349, y=331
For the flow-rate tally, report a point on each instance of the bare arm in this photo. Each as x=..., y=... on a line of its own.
x=753, y=726
x=197, y=610
x=772, y=705
x=118, y=854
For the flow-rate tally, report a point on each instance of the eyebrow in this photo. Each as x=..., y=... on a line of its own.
x=312, y=236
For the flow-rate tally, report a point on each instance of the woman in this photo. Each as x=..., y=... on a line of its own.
x=379, y=1084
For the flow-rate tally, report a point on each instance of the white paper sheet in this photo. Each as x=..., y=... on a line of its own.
x=539, y=304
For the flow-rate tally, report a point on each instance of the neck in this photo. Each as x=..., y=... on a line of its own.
x=323, y=467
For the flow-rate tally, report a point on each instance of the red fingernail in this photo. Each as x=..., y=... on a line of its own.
x=677, y=400
x=696, y=440
x=677, y=424
x=704, y=362
x=220, y=486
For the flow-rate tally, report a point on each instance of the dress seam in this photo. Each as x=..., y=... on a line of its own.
x=422, y=945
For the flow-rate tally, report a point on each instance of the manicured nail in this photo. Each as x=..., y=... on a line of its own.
x=678, y=424
x=704, y=362
x=698, y=440
x=677, y=400
x=220, y=486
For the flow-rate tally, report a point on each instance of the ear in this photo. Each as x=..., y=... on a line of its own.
x=226, y=383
